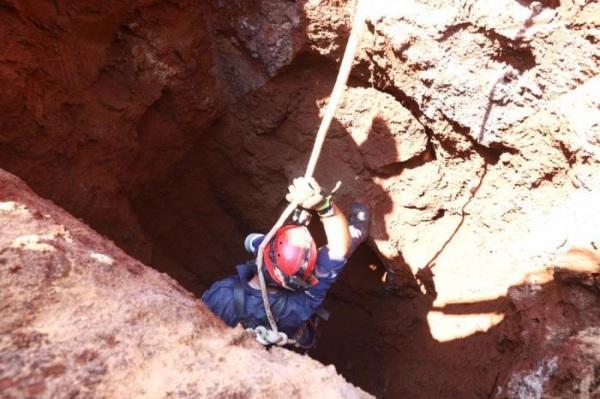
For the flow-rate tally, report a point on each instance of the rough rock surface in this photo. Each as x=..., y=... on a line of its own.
x=99, y=100
x=472, y=128
x=558, y=334
x=514, y=125
x=80, y=318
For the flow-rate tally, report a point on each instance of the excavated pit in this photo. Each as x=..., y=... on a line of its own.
x=194, y=219
x=378, y=336
x=180, y=124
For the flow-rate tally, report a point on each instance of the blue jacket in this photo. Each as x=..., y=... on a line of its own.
x=299, y=306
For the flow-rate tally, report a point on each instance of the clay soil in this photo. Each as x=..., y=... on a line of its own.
x=176, y=137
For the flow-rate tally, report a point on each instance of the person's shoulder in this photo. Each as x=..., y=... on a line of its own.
x=221, y=287
x=227, y=282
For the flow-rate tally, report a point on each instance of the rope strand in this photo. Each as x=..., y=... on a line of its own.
x=332, y=104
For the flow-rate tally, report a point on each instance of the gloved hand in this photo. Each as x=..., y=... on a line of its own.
x=306, y=192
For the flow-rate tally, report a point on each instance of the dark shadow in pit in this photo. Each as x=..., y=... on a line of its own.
x=234, y=180
x=380, y=340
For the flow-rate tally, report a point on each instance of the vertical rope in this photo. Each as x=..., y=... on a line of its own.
x=336, y=95
x=340, y=84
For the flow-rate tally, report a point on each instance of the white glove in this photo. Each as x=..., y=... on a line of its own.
x=306, y=192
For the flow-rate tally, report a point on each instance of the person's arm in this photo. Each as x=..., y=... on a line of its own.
x=307, y=193
x=331, y=260
x=338, y=235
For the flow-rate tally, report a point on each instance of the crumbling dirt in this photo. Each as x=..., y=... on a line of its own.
x=465, y=127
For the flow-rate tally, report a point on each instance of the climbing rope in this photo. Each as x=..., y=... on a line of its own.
x=274, y=336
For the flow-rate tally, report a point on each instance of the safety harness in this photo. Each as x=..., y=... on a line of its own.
x=239, y=301
x=260, y=326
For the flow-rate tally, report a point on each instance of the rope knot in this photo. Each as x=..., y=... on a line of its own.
x=268, y=337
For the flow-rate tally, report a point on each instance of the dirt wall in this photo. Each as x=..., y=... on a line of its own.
x=471, y=129
x=99, y=100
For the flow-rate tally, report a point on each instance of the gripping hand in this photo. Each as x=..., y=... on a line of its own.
x=306, y=192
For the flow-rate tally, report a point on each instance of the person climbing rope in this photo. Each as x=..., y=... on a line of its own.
x=298, y=275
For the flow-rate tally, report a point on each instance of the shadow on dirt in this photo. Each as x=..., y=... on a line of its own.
x=379, y=337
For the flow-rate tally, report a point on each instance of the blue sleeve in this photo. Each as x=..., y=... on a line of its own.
x=329, y=266
x=219, y=299
x=303, y=304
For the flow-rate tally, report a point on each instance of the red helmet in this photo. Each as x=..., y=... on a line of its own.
x=290, y=257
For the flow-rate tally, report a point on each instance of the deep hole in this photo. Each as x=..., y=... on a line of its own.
x=354, y=302
x=199, y=182
x=378, y=335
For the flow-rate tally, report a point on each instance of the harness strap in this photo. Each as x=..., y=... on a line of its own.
x=279, y=304
x=239, y=302
x=260, y=328
x=323, y=313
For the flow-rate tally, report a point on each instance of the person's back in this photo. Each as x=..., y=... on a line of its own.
x=298, y=275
